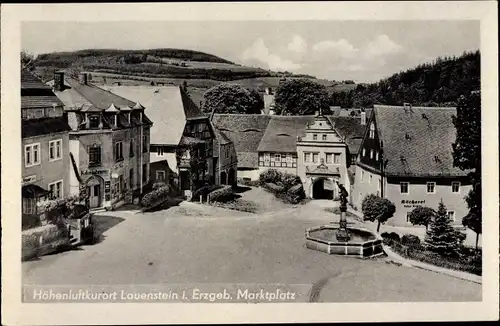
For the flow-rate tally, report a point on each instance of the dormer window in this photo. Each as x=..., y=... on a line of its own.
x=323, y=137
x=315, y=137
x=94, y=121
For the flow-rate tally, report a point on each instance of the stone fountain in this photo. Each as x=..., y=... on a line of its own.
x=342, y=240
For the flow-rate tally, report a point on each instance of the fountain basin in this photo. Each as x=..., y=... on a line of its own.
x=363, y=243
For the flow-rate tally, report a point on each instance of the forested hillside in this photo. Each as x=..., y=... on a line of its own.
x=433, y=84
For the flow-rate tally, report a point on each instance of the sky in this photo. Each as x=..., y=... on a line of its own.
x=363, y=51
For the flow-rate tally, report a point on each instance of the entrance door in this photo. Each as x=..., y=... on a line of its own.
x=320, y=191
x=95, y=196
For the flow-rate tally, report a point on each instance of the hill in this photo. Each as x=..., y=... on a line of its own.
x=151, y=63
x=431, y=84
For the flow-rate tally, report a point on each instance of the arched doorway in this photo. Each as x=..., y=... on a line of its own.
x=319, y=190
x=95, y=191
x=231, y=178
x=223, y=178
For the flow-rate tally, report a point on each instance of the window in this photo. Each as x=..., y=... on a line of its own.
x=451, y=215
x=29, y=205
x=56, y=189
x=336, y=158
x=376, y=156
x=323, y=137
x=379, y=186
x=289, y=158
x=145, y=144
x=362, y=176
x=131, y=178
x=455, y=187
x=277, y=157
x=55, y=150
x=408, y=217
x=364, y=152
x=353, y=159
x=371, y=153
x=118, y=151
x=372, y=131
x=315, y=137
x=431, y=187
x=32, y=154
x=307, y=157
x=267, y=157
x=95, y=156
x=131, y=148
x=329, y=158
x=405, y=187
x=370, y=179
x=315, y=157
x=160, y=175
x=94, y=121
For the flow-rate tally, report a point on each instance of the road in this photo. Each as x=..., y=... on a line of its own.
x=191, y=243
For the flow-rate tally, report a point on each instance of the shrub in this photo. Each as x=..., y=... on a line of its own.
x=152, y=198
x=394, y=237
x=248, y=182
x=30, y=221
x=410, y=240
x=223, y=194
x=159, y=184
x=296, y=193
x=274, y=188
x=270, y=176
x=204, y=191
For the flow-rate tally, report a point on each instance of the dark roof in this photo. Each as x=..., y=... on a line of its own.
x=253, y=133
x=35, y=94
x=33, y=191
x=191, y=110
x=431, y=134
x=38, y=127
x=100, y=98
x=282, y=131
x=245, y=131
x=30, y=81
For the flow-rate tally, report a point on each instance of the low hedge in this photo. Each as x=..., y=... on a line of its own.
x=248, y=182
x=53, y=237
x=285, y=186
x=223, y=194
x=152, y=198
x=30, y=221
x=204, y=191
x=238, y=205
x=470, y=261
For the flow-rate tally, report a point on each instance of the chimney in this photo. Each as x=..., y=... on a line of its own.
x=83, y=78
x=59, y=81
x=363, y=118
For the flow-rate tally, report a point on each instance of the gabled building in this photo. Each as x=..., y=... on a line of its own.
x=179, y=125
x=318, y=148
x=108, y=141
x=45, y=143
x=406, y=157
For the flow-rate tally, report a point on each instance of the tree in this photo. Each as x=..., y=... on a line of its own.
x=230, y=98
x=421, y=215
x=441, y=237
x=378, y=209
x=467, y=155
x=301, y=97
x=26, y=59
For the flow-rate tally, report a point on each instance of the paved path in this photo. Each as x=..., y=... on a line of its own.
x=194, y=244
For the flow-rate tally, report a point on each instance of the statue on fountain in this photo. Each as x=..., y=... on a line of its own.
x=342, y=234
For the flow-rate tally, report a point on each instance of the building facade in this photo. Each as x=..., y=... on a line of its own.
x=108, y=142
x=45, y=143
x=406, y=157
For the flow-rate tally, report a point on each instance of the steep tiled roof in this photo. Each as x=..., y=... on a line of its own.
x=35, y=94
x=167, y=106
x=98, y=97
x=253, y=133
x=30, y=81
x=38, y=127
x=282, y=131
x=245, y=131
x=417, y=141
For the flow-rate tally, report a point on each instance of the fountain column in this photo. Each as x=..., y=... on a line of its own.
x=342, y=233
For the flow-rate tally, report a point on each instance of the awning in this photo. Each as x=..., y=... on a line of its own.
x=33, y=191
